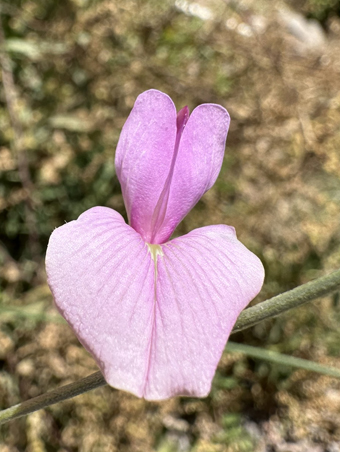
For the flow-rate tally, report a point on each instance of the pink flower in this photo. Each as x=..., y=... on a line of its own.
x=156, y=313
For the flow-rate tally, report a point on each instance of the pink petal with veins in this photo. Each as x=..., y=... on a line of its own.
x=204, y=280
x=144, y=155
x=102, y=278
x=155, y=318
x=165, y=165
x=198, y=163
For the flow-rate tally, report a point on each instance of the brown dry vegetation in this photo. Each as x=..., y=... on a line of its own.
x=78, y=66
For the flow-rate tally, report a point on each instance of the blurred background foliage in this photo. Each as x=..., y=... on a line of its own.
x=71, y=71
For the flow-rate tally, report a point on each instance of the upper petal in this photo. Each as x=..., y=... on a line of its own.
x=198, y=163
x=146, y=157
x=143, y=156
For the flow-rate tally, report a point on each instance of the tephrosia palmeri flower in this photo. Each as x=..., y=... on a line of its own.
x=156, y=313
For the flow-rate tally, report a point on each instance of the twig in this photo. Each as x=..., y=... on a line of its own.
x=288, y=300
x=17, y=143
x=93, y=381
x=251, y=316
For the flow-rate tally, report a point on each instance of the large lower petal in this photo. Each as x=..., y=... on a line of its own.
x=155, y=318
x=102, y=278
x=204, y=280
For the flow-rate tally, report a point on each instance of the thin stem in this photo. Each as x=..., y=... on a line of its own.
x=288, y=300
x=251, y=316
x=284, y=360
x=93, y=381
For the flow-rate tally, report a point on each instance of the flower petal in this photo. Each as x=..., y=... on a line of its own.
x=160, y=185
x=204, y=280
x=102, y=278
x=155, y=318
x=143, y=156
x=198, y=163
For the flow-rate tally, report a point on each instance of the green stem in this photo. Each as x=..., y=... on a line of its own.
x=251, y=316
x=285, y=360
x=93, y=381
x=288, y=300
